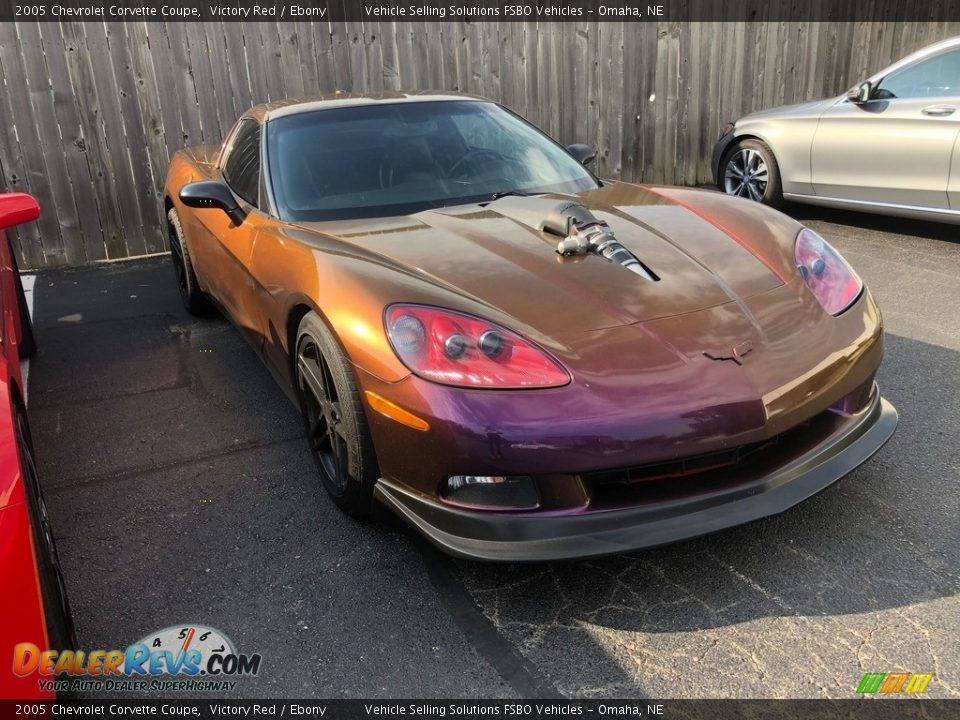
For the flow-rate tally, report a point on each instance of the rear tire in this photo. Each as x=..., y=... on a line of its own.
x=193, y=298
x=334, y=418
x=750, y=170
x=60, y=630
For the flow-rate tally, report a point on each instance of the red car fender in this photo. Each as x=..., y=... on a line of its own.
x=22, y=617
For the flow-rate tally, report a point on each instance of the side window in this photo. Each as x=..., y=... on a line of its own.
x=242, y=167
x=938, y=76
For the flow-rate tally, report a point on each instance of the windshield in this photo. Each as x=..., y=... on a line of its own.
x=402, y=158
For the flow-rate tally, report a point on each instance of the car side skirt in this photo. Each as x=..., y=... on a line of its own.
x=914, y=212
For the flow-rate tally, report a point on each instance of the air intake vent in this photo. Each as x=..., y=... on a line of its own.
x=578, y=230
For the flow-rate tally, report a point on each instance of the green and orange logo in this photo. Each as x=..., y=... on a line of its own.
x=893, y=683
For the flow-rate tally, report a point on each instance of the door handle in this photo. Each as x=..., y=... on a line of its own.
x=939, y=110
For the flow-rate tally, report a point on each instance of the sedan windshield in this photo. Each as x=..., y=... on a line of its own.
x=396, y=159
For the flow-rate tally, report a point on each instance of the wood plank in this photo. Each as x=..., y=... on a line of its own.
x=270, y=39
x=110, y=121
x=390, y=59
x=447, y=57
x=256, y=61
x=237, y=91
x=323, y=47
x=610, y=118
x=182, y=85
x=340, y=53
x=67, y=246
x=94, y=142
x=152, y=115
x=146, y=189
x=74, y=148
x=17, y=167
x=291, y=69
x=224, y=87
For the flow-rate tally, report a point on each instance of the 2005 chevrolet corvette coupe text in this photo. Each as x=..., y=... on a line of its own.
x=523, y=361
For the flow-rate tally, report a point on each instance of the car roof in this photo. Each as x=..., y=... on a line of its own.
x=294, y=106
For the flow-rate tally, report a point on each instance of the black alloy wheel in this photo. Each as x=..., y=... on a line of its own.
x=334, y=418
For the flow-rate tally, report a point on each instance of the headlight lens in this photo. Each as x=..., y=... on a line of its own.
x=726, y=130
x=456, y=349
x=829, y=277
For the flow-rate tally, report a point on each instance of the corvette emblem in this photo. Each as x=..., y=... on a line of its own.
x=738, y=352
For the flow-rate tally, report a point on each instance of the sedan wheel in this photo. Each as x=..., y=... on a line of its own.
x=334, y=418
x=750, y=171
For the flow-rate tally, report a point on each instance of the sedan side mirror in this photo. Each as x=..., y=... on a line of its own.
x=212, y=194
x=582, y=153
x=17, y=208
x=861, y=94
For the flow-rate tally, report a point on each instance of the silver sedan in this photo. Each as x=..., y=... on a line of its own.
x=889, y=145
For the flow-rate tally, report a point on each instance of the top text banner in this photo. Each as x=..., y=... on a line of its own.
x=478, y=10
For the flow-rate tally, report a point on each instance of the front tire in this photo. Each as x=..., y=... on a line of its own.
x=193, y=298
x=334, y=418
x=750, y=170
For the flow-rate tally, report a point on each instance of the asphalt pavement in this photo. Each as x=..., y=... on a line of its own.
x=181, y=492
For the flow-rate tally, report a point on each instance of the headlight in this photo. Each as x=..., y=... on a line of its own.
x=456, y=349
x=726, y=130
x=829, y=277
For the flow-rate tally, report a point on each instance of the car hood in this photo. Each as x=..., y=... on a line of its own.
x=494, y=253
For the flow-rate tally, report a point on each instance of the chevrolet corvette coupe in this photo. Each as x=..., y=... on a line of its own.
x=33, y=604
x=888, y=146
x=521, y=360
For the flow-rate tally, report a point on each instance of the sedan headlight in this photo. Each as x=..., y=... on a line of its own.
x=829, y=277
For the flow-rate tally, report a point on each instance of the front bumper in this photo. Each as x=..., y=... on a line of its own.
x=528, y=537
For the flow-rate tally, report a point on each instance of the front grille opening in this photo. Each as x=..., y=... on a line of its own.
x=701, y=474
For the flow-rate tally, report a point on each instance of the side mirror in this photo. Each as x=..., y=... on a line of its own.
x=582, y=153
x=861, y=94
x=17, y=208
x=212, y=194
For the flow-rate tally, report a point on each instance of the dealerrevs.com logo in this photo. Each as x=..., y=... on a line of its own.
x=187, y=657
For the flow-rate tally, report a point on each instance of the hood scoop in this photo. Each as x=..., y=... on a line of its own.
x=576, y=231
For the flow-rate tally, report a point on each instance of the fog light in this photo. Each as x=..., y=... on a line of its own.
x=491, y=492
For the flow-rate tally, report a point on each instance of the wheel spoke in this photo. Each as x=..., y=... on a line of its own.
x=308, y=373
x=754, y=192
x=327, y=378
x=317, y=432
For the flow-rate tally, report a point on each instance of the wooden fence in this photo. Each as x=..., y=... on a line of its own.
x=90, y=112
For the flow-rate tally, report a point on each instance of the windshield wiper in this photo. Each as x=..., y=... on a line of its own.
x=505, y=193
